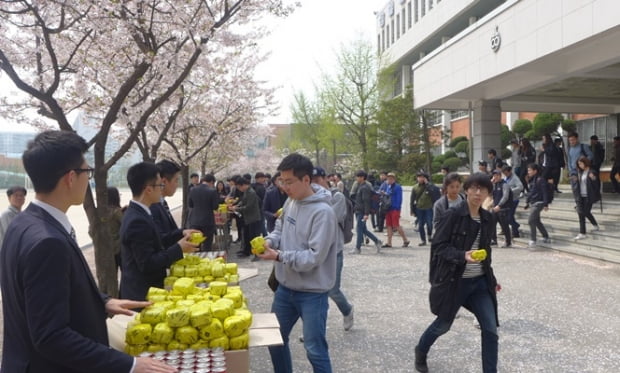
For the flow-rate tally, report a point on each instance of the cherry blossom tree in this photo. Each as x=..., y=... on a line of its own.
x=119, y=61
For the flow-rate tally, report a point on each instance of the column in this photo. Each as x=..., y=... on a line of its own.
x=486, y=129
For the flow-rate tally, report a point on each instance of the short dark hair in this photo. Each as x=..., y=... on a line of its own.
x=573, y=134
x=594, y=137
x=167, y=169
x=248, y=177
x=361, y=173
x=50, y=155
x=208, y=178
x=616, y=138
x=492, y=151
x=507, y=168
x=275, y=176
x=586, y=161
x=114, y=197
x=16, y=188
x=299, y=164
x=479, y=179
x=139, y=175
x=193, y=175
x=242, y=181
x=534, y=166
x=450, y=178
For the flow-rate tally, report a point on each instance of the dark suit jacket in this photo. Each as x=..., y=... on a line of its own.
x=203, y=200
x=144, y=258
x=167, y=228
x=54, y=315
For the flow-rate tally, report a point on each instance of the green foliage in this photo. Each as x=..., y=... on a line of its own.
x=547, y=123
x=453, y=164
x=505, y=136
x=436, y=166
x=462, y=147
x=505, y=154
x=569, y=125
x=457, y=140
x=440, y=158
x=522, y=126
x=437, y=179
x=450, y=154
x=531, y=135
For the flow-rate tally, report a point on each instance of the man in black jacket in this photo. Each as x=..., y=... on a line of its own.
x=363, y=201
x=166, y=225
x=203, y=200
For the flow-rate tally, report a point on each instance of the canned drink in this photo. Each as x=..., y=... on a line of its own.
x=218, y=370
x=203, y=359
x=174, y=361
x=189, y=352
x=187, y=365
x=202, y=370
x=173, y=353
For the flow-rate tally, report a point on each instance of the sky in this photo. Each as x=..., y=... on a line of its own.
x=301, y=46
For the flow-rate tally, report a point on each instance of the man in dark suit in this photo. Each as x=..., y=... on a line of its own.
x=166, y=225
x=54, y=315
x=203, y=200
x=144, y=256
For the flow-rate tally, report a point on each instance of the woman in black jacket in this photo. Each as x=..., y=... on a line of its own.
x=538, y=199
x=457, y=279
x=588, y=192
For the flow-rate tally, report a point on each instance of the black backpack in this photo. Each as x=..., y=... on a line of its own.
x=433, y=191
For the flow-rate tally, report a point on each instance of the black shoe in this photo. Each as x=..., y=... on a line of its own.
x=558, y=191
x=423, y=243
x=494, y=242
x=420, y=361
x=516, y=235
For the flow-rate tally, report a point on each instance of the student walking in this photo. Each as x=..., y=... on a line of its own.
x=588, y=192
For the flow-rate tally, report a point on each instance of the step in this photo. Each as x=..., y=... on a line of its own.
x=581, y=248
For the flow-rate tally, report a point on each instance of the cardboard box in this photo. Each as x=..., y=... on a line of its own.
x=265, y=331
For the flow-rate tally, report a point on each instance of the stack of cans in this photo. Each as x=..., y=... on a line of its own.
x=208, y=360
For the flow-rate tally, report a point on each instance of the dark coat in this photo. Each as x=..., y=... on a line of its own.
x=54, y=314
x=250, y=206
x=593, y=189
x=167, y=227
x=203, y=200
x=274, y=200
x=456, y=233
x=539, y=191
x=144, y=258
x=363, y=199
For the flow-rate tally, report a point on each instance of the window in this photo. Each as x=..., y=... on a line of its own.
x=398, y=26
x=423, y=8
x=382, y=40
x=392, y=34
x=379, y=50
x=458, y=114
x=404, y=28
x=430, y=5
x=387, y=35
x=409, y=14
x=415, y=10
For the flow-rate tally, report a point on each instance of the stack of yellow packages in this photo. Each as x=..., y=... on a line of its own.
x=202, y=271
x=190, y=317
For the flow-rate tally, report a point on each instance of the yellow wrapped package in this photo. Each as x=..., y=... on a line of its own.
x=236, y=297
x=177, y=317
x=175, y=297
x=204, y=268
x=198, y=280
x=176, y=345
x=246, y=316
x=156, y=291
x=139, y=334
x=184, y=286
x=135, y=350
x=240, y=342
x=195, y=297
x=200, y=345
x=191, y=271
x=211, y=297
x=479, y=255
x=231, y=268
x=153, y=315
x=185, y=303
x=218, y=288
x=156, y=348
x=209, y=279
x=186, y=335
x=200, y=314
x=169, y=281
x=177, y=270
x=156, y=298
x=233, y=279
x=222, y=308
x=221, y=342
x=197, y=238
x=212, y=330
x=222, y=208
x=234, y=326
x=217, y=269
x=162, y=333
x=167, y=304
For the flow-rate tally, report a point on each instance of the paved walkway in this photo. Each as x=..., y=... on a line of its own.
x=558, y=313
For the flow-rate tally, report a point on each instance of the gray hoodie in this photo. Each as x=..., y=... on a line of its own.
x=306, y=234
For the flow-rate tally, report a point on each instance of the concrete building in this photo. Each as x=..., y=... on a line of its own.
x=498, y=61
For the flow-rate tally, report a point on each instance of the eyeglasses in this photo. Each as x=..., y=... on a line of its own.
x=161, y=186
x=287, y=183
x=90, y=171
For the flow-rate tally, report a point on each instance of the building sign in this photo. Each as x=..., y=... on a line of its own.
x=496, y=40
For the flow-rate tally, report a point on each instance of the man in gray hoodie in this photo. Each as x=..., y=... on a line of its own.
x=304, y=247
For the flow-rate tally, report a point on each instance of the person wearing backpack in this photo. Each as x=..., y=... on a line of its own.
x=392, y=216
x=339, y=205
x=424, y=207
x=502, y=204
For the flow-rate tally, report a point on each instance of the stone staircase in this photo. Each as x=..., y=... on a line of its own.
x=562, y=222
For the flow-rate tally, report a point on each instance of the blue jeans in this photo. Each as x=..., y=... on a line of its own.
x=335, y=293
x=361, y=230
x=425, y=217
x=289, y=305
x=474, y=294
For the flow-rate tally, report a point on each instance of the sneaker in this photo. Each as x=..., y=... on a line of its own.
x=531, y=244
x=386, y=245
x=355, y=251
x=420, y=361
x=423, y=243
x=547, y=240
x=493, y=243
x=580, y=236
x=347, y=321
x=378, y=246
x=367, y=241
x=406, y=244
x=506, y=245
x=596, y=228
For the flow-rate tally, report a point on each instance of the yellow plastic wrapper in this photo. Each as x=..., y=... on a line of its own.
x=169, y=281
x=246, y=316
x=156, y=291
x=176, y=345
x=200, y=345
x=237, y=299
x=211, y=331
x=197, y=238
x=222, y=208
x=217, y=269
x=222, y=308
x=185, y=303
x=162, y=333
x=177, y=317
x=240, y=342
x=221, y=342
x=257, y=244
x=177, y=270
x=184, y=286
x=156, y=347
x=191, y=271
x=204, y=268
x=156, y=298
x=212, y=298
x=209, y=279
x=195, y=297
x=153, y=315
x=187, y=335
x=231, y=268
x=135, y=350
x=134, y=322
x=166, y=305
x=139, y=334
x=218, y=288
x=234, y=279
x=200, y=314
x=219, y=259
x=234, y=326
x=479, y=255
x=198, y=280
